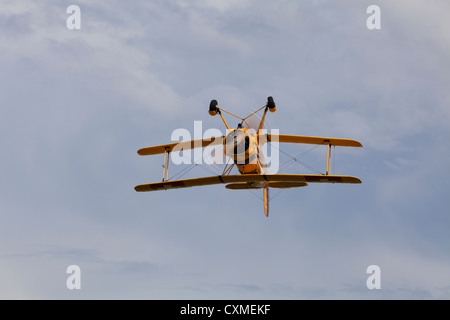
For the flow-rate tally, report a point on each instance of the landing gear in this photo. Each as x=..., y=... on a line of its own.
x=271, y=104
x=213, y=108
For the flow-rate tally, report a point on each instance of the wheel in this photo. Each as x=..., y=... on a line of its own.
x=213, y=107
x=271, y=104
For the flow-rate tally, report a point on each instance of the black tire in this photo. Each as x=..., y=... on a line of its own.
x=213, y=106
x=271, y=103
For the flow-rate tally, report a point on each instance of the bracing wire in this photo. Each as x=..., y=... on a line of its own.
x=243, y=119
x=184, y=171
x=253, y=192
x=297, y=159
x=277, y=194
x=230, y=113
x=253, y=113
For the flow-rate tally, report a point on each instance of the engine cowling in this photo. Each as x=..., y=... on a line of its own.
x=240, y=145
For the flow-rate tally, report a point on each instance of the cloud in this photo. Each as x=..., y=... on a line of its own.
x=15, y=25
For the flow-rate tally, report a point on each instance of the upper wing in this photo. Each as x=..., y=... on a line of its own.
x=182, y=145
x=311, y=140
x=246, y=178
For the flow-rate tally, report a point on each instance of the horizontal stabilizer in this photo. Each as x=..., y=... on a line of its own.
x=287, y=184
x=240, y=186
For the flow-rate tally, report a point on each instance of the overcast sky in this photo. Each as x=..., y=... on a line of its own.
x=76, y=105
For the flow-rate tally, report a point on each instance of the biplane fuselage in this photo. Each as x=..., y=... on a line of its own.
x=244, y=147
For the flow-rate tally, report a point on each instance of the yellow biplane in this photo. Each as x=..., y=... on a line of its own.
x=244, y=148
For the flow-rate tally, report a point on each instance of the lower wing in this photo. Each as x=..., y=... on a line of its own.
x=204, y=181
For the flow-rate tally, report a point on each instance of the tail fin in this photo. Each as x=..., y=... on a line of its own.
x=266, y=201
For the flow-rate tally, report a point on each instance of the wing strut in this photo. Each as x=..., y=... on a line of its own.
x=166, y=165
x=328, y=157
